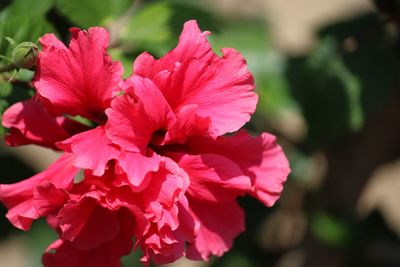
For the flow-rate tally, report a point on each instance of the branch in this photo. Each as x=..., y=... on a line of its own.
x=7, y=68
x=117, y=25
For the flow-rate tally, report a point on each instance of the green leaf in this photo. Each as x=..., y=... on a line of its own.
x=148, y=28
x=24, y=75
x=21, y=28
x=327, y=92
x=19, y=93
x=92, y=12
x=81, y=120
x=5, y=89
x=133, y=259
x=23, y=21
x=156, y=26
x=184, y=10
x=32, y=8
x=10, y=41
x=350, y=74
x=368, y=53
x=3, y=106
x=330, y=230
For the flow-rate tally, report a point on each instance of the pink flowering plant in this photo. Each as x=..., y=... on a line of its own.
x=160, y=166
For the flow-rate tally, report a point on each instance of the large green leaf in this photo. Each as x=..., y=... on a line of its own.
x=5, y=90
x=350, y=74
x=155, y=27
x=326, y=91
x=367, y=51
x=184, y=10
x=20, y=21
x=12, y=93
x=21, y=28
x=92, y=12
x=31, y=8
x=148, y=29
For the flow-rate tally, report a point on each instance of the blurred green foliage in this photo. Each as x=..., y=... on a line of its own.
x=351, y=73
x=91, y=13
x=23, y=21
x=330, y=230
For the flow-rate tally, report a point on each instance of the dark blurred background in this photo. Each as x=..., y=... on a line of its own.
x=327, y=73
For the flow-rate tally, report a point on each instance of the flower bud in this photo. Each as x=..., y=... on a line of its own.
x=25, y=55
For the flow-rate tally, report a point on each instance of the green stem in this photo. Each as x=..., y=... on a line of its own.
x=7, y=68
x=115, y=27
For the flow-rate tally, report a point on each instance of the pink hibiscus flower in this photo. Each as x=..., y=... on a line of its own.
x=157, y=172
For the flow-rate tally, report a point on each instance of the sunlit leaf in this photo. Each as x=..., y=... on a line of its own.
x=156, y=26
x=148, y=28
x=21, y=28
x=10, y=41
x=92, y=12
x=32, y=8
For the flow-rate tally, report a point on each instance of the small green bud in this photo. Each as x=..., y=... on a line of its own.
x=25, y=55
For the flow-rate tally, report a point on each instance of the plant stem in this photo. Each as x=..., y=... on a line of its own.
x=118, y=24
x=7, y=68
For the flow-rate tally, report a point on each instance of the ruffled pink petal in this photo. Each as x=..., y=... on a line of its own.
x=47, y=198
x=87, y=225
x=223, y=91
x=137, y=168
x=107, y=196
x=19, y=197
x=187, y=123
x=188, y=224
x=92, y=150
x=167, y=186
x=260, y=158
x=29, y=123
x=65, y=254
x=135, y=116
x=160, y=203
x=192, y=44
x=213, y=178
x=220, y=224
x=158, y=200
x=191, y=74
x=162, y=244
x=172, y=223
x=159, y=251
x=80, y=79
